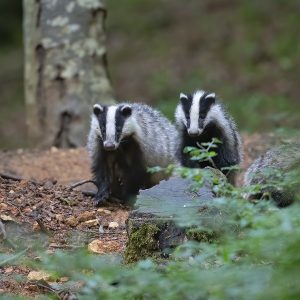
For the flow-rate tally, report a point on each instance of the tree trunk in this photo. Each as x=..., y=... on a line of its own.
x=65, y=69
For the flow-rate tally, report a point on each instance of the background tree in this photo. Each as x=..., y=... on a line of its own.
x=65, y=69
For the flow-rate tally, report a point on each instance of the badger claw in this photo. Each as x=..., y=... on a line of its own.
x=101, y=197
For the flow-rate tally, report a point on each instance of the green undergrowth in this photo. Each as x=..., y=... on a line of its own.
x=251, y=252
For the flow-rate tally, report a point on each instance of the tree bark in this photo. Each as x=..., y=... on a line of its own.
x=65, y=69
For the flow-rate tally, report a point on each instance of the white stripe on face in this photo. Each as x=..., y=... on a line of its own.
x=194, y=112
x=111, y=123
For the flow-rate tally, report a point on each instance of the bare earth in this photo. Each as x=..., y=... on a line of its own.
x=42, y=206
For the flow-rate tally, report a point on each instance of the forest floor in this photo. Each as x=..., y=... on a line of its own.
x=37, y=204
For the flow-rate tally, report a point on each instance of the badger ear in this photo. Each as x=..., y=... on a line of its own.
x=97, y=109
x=183, y=97
x=210, y=98
x=126, y=110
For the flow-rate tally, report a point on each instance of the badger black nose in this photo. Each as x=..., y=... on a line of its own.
x=194, y=132
x=109, y=146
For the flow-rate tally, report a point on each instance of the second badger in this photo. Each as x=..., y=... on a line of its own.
x=200, y=118
x=124, y=140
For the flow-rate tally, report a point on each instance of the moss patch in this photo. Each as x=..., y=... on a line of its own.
x=142, y=243
x=201, y=235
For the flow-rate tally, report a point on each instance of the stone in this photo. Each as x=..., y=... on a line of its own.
x=151, y=227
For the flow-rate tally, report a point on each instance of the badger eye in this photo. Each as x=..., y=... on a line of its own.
x=202, y=116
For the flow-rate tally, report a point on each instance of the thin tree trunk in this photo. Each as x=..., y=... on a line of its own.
x=65, y=69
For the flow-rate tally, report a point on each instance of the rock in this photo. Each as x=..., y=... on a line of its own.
x=105, y=211
x=113, y=225
x=9, y=270
x=71, y=221
x=48, y=184
x=3, y=206
x=91, y=223
x=101, y=247
x=64, y=279
x=39, y=275
x=4, y=217
x=59, y=217
x=277, y=172
x=36, y=226
x=87, y=215
x=27, y=210
x=151, y=228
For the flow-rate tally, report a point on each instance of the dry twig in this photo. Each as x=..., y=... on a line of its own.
x=82, y=182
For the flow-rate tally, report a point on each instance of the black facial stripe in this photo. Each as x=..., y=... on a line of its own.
x=120, y=120
x=102, y=122
x=204, y=106
x=186, y=106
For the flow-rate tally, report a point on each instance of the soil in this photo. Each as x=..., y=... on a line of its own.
x=39, y=205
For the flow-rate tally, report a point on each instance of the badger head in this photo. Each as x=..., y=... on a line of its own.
x=112, y=123
x=192, y=111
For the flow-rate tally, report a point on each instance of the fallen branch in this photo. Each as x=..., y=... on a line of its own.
x=11, y=177
x=17, y=178
x=82, y=183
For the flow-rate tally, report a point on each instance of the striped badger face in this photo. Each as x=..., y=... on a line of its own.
x=192, y=111
x=112, y=124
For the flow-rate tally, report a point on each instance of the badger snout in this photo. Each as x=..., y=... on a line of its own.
x=110, y=146
x=194, y=132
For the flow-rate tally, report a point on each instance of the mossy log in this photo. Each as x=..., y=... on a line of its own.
x=151, y=227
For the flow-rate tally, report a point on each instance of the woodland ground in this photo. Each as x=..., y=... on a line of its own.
x=42, y=206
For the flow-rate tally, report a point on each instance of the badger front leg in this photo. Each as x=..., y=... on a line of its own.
x=103, y=191
x=101, y=176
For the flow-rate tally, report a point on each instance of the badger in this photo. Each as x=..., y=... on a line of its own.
x=277, y=173
x=124, y=140
x=200, y=118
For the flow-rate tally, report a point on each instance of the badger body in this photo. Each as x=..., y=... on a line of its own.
x=125, y=140
x=200, y=118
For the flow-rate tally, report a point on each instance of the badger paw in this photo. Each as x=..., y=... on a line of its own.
x=101, y=196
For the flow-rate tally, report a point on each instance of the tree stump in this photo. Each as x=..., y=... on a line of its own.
x=151, y=227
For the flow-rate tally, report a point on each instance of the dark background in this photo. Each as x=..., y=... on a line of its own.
x=248, y=52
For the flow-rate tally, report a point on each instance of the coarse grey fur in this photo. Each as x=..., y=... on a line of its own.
x=147, y=139
x=205, y=116
x=283, y=159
